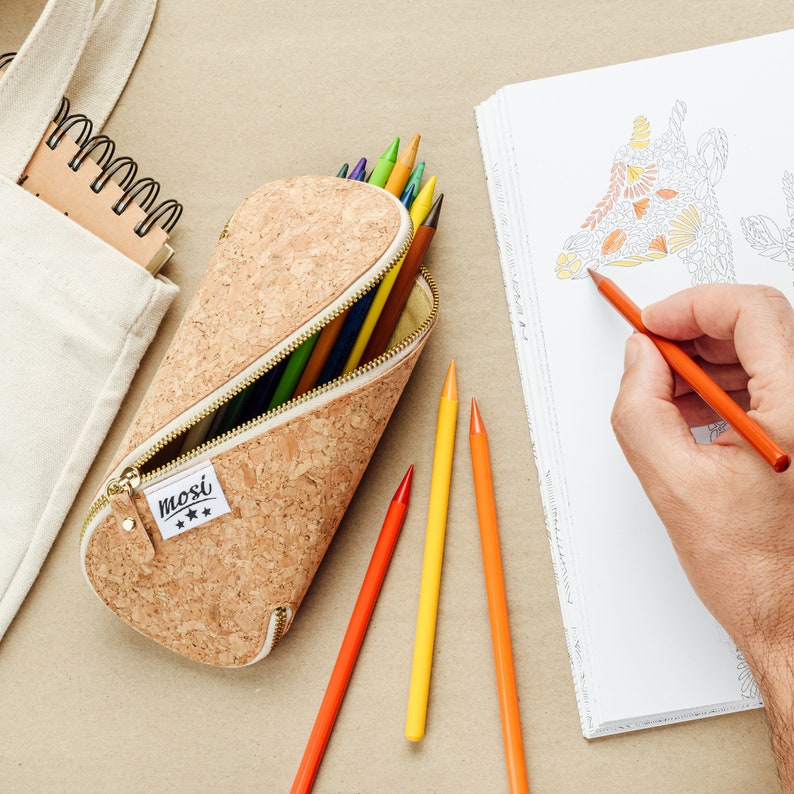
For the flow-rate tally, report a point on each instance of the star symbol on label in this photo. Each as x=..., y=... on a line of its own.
x=191, y=514
x=180, y=524
x=207, y=511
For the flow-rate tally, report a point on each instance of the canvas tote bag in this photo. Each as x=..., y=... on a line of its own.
x=76, y=314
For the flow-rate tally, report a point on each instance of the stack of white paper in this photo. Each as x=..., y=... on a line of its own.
x=662, y=174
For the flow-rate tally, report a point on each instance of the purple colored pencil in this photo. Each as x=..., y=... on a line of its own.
x=358, y=169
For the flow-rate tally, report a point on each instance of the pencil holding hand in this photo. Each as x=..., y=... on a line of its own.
x=697, y=378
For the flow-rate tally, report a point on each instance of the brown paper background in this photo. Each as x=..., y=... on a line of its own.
x=225, y=97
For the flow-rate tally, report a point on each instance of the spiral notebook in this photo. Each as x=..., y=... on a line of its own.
x=661, y=174
x=81, y=175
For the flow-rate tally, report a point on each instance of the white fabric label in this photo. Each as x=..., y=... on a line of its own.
x=187, y=500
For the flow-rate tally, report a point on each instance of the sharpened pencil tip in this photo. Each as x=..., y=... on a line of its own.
x=597, y=277
x=425, y=195
x=404, y=489
x=408, y=154
x=450, y=390
x=476, y=426
x=435, y=210
x=391, y=151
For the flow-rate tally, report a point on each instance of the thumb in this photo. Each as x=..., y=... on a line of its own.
x=650, y=429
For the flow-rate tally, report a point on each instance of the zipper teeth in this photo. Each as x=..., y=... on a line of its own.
x=102, y=500
x=232, y=393
x=281, y=625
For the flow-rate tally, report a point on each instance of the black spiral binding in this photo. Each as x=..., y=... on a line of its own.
x=123, y=170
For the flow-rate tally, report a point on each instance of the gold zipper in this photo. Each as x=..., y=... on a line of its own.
x=126, y=482
x=132, y=478
x=280, y=627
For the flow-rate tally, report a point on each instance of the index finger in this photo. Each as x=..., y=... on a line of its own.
x=758, y=319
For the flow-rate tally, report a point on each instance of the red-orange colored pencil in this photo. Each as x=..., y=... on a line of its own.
x=700, y=382
x=335, y=692
x=497, y=604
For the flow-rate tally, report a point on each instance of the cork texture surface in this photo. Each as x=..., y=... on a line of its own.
x=291, y=248
x=208, y=593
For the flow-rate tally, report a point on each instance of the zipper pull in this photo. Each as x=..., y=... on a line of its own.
x=119, y=494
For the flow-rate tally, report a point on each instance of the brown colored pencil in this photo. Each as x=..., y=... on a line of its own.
x=401, y=288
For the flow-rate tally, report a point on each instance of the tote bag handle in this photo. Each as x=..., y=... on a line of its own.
x=70, y=53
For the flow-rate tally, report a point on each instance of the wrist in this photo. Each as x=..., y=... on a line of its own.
x=772, y=665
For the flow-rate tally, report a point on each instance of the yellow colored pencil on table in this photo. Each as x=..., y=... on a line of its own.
x=419, y=690
x=418, y=212
x=497, y=604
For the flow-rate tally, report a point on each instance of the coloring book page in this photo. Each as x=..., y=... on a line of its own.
x=660, y=174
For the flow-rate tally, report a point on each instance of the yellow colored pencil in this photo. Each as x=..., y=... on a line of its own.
x=416, y=716
x=418, y=212
x=423, y=202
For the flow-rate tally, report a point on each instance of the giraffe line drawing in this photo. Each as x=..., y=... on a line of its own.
x=660, y=201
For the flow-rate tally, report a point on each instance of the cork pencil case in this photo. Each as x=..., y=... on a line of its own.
x=210, y=551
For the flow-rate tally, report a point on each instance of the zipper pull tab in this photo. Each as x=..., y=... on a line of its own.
x=119, y=494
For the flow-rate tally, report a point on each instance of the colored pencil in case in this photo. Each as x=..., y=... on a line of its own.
x=312, y=372
x=700, y=382
x=287, y=386
x=354, y=636
x=229, y=415
x=415, y=179
x=416, y=716
x=423, y=201
x=324, y=344
x=338, y=340
x=497, y=604
x=358, y=169
x=197, y=434
x=262, y=392
x=383, y=168
x=214, y=429
x=354, y=317
x=347, y=329
x=403, y=166
x=296, y=364
x=403, y=282
x=418, y=212
x=342, y=172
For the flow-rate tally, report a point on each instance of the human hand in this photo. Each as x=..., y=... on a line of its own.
x=729, y=515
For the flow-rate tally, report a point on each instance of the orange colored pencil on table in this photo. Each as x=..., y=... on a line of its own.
x=354, y=636
x=497, y=603
x=700, y=382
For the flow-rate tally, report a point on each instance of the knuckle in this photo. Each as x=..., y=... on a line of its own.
x=623, y=418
